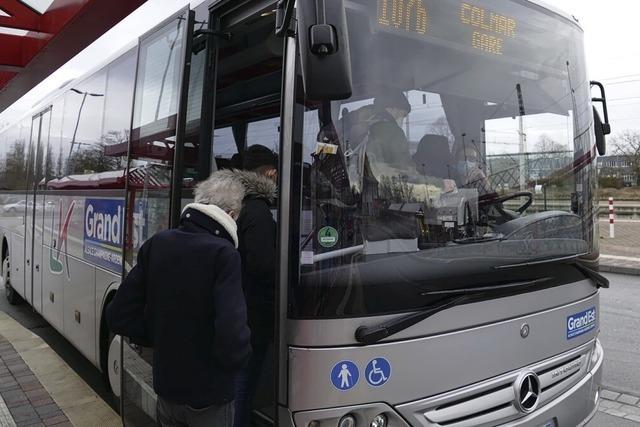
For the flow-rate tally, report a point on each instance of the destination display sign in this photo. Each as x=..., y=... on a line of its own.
x=491, y=28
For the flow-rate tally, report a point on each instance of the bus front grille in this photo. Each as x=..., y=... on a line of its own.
x=493, y=401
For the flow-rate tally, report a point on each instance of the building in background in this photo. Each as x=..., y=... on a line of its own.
x=617, y=171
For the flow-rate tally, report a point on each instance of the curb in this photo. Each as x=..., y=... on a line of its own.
x=619, y=269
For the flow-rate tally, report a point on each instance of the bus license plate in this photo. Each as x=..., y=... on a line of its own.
x=550, y=423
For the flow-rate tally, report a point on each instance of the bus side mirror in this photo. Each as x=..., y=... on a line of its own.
x=324, y=49
x=601, y=128
x=600, y=132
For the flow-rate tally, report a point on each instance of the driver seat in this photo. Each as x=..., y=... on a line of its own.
x=433, y=157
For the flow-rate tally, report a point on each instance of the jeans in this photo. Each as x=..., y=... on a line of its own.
x=180, y=415
x=248, y=381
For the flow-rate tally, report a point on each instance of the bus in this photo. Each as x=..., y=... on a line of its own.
x=437, y=213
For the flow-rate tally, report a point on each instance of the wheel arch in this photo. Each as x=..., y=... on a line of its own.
x=109, y=294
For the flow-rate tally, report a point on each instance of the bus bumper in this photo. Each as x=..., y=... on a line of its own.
x=576, y=406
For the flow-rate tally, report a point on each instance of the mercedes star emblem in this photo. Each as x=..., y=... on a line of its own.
x=527, y=390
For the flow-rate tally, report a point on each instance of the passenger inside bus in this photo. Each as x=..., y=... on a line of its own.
x=377, y=131
x=257, y=246
x=468, y=169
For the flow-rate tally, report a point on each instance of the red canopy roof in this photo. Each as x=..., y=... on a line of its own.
x=39, y=36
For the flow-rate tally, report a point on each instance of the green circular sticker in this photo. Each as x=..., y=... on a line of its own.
x=328, y=237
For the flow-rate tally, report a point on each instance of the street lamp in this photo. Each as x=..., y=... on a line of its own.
x=84, y=98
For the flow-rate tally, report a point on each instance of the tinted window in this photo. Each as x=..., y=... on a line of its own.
x=92, y=121
x=118, y=103
x=14, y=156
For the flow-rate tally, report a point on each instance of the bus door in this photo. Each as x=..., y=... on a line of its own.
x=34, y=219
x=248, y=80
x=153, y=198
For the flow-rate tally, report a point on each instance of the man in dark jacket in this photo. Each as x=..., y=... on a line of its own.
x=184, y=298
x=387, y=146
x=257, y=235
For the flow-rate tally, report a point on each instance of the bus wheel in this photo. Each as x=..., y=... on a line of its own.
x=114, y=364
x=12, y=295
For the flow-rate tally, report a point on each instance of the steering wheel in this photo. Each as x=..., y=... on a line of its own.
x=498, y=201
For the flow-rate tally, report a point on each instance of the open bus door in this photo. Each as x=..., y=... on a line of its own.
x=252, y=82
x=154, y=177
x=201, y=97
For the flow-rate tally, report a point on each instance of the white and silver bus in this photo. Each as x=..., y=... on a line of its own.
x=436, y=267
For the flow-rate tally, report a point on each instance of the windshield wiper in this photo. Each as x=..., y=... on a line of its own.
x=574, y=260
x=373, y=334
x=599, y=279
x=555, y=260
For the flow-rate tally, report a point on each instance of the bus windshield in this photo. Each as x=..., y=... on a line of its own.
x=464, y=153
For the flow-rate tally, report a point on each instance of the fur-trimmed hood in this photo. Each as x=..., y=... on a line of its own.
x=255, y=185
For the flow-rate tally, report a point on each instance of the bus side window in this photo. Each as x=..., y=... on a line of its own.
x=265, y=132
x=225, y=149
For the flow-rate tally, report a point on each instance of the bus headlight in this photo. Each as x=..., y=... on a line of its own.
x=379, y=421
x=596, y=353
x=347, y=421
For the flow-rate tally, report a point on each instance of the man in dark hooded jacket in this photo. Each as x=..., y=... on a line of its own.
x=257, y=235
x=184, y=297
x=387, y=142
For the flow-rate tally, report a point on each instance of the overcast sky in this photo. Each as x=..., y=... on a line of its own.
x=611, y=33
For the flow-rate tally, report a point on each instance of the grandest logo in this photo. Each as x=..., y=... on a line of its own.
x=55, y=264
x=583, y=319
x=104, y=232
x=104, y=226
x=581, y=323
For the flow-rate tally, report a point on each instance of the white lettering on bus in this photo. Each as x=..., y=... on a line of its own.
x=584, y=320
x=102, y=226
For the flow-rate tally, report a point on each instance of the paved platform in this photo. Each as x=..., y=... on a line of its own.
x=621, y=405
x=622, y=253
x=37, y=388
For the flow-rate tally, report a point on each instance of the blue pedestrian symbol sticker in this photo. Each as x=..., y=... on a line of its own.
x=345, y=375
x=378, y=372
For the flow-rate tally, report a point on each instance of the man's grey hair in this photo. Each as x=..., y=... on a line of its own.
x=222, y=189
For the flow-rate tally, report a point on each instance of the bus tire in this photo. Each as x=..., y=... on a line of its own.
x=11, y=294
x=114, y=364
x=109, y=355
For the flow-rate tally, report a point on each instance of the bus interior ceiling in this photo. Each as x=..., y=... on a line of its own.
x=249, y=76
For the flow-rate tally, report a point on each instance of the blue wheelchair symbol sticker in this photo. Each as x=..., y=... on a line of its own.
x=345, y=375
x=378, y=372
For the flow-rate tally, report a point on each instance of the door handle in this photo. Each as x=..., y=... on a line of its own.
x=28, y=262
x=37, y=267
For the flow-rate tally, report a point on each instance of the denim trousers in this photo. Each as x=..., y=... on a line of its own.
x=247, y=382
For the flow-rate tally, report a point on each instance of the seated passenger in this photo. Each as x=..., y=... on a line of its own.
x=469, y=173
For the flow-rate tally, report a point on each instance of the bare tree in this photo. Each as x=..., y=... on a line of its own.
x=546, y=144
x=16, y=167
x=627, y=144
x=441, y=127
x=396, y=189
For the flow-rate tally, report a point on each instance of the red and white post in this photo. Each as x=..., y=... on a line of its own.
x=612, y=217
